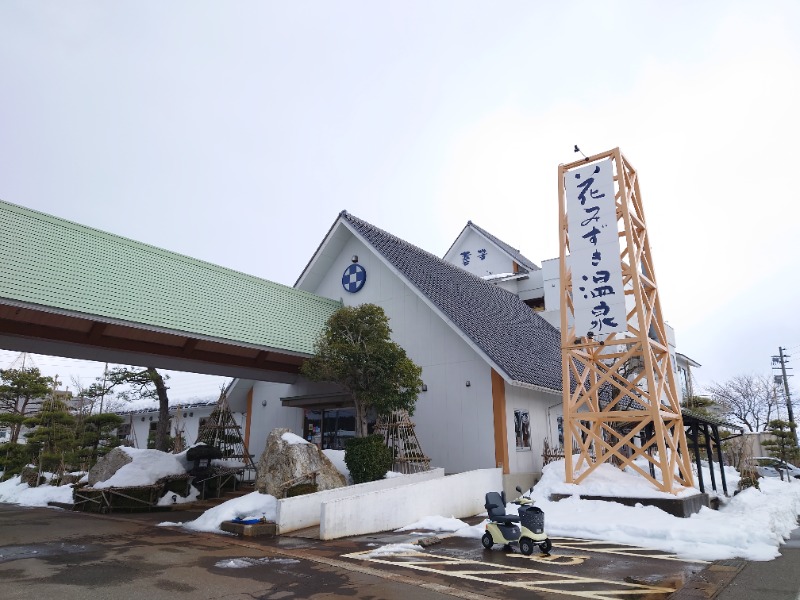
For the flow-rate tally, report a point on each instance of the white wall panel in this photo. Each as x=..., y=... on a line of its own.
x=453, y=422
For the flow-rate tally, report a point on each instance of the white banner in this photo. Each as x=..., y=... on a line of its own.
x=597, y=292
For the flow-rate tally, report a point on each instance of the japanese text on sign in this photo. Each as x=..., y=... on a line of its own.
x=597, y=293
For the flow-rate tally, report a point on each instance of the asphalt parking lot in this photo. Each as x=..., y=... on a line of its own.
x=61, y=554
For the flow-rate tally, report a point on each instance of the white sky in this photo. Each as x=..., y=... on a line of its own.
x=236, y=132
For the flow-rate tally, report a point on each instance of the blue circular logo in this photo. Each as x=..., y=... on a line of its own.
x=354, y=278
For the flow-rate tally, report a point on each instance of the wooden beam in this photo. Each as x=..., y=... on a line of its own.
x=500, y=430
x=29, y=330
x=96, y=331
x=248, y=418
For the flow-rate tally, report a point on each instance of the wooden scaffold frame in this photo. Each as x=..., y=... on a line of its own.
x=398, y=432
x=221, y=431
x=620, y=398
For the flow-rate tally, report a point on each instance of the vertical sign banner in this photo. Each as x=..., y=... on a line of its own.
x=597, y=293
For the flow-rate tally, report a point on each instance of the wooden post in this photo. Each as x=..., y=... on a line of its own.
x=624, y=385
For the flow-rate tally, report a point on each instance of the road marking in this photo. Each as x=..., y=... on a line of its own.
x=533, y=580
x=619, y=549
x=562, y=560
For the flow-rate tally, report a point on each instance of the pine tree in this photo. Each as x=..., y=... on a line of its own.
x=355, y=351
x=782, y=446
x=53, y=436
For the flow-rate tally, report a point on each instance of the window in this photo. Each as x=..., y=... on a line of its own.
x=560, y=422
x=331, y=428
x=123, y=431
x=522, y=429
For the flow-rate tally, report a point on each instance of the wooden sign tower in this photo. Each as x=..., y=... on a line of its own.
x=620, y=397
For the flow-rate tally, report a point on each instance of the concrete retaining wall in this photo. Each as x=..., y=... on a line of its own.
x=460, y=495
x=304, y=511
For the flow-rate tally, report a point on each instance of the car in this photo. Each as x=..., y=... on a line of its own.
x=769, y=466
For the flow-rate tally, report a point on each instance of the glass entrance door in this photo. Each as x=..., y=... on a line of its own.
x=329, y=428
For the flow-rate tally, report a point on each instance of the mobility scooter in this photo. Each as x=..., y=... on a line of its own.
x=502, y=528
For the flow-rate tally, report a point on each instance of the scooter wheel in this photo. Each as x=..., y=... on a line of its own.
x=526, y=546
x=546, y=546
x=487, y=540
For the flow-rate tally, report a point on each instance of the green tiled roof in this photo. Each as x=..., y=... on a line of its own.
x=51, y=262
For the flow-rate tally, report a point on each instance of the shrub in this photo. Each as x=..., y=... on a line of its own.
x=367, y=458
x=14, y=457
x=748, y=478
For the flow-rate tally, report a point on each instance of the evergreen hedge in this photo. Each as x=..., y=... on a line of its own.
x=367, y=458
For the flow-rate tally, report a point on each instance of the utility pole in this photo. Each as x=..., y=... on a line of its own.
x=782, y=360
x=103, y=397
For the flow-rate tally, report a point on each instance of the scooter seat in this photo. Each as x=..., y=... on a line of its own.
x=496, y=509
x=506, y=519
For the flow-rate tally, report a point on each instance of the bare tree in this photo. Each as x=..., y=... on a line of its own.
x=141, y=382
x=749, y=400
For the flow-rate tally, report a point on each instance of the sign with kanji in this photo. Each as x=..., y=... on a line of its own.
x=597, y=293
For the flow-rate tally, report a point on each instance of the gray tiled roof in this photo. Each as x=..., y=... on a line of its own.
x=513, y=252
x=518, y=340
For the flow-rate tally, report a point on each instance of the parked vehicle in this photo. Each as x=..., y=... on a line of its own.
x=769, y=466
x=502, y=528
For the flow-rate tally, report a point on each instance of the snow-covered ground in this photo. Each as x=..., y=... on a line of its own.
x=750, y=525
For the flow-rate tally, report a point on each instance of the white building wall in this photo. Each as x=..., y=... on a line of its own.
x=536, y=404
x=532, y=286
x=495, y=260
x=140, y=428
x=189, y=425
x=272, y=415
x=187, y=421
x=550, y=282
x=454, y=422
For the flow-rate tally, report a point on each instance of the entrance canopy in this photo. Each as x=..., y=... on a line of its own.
x=73, y=291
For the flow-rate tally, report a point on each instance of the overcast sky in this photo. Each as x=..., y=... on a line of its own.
x=235, y=132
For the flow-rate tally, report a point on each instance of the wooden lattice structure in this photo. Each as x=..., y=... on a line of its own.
x=398, y=431
x=221, y=431
x=620, y=397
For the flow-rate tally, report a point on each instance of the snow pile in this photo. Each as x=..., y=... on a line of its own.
x=751, y=525
x=145, y=468
x=605, y=480
x=251, y=506
x=13, y=491
x=242, y=563
x=337, y=458
x=292, y=438
x=394, y=550
x=170, y=498
x=437, y=524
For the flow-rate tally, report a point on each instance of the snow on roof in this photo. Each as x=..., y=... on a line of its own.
x=145, y=405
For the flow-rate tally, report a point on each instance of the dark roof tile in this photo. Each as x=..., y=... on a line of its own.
x=518, y=340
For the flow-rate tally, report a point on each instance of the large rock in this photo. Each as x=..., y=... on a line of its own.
x=288, y=460
x=108, y=465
